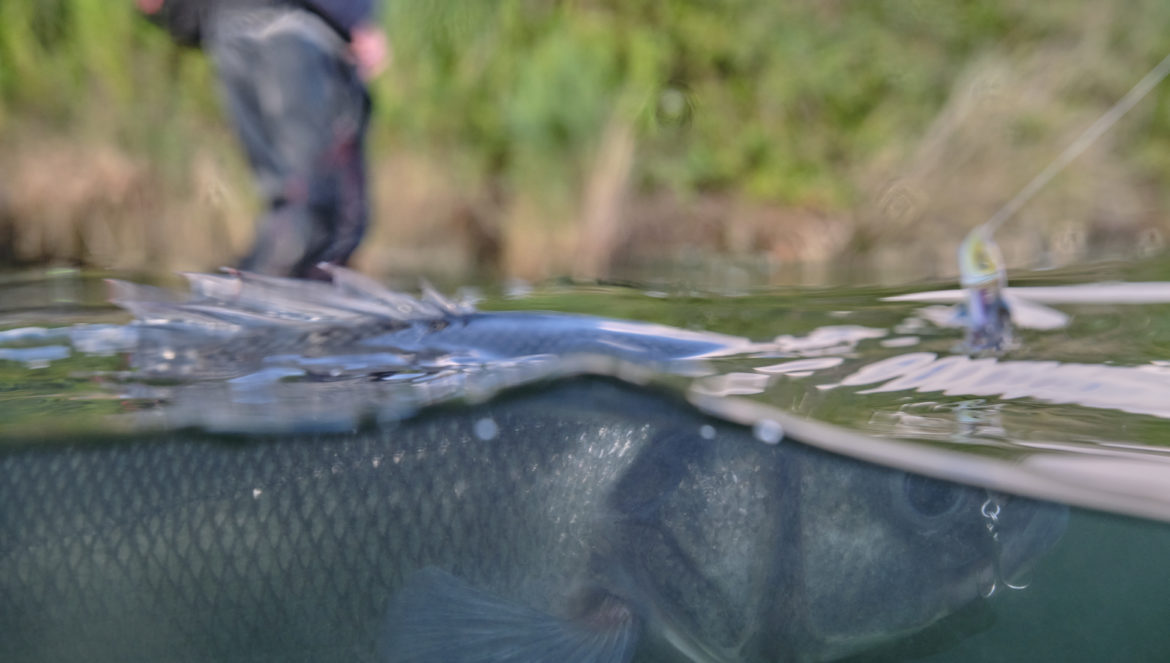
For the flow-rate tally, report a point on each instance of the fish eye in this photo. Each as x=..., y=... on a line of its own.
x=931, y=498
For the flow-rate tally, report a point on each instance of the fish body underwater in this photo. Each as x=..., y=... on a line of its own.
x=585, y=519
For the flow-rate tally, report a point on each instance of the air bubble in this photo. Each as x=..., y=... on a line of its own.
x=486, y=429
x=768, y=431
x=707, y=432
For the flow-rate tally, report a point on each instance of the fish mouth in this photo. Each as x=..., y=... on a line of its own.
x=1021, y=531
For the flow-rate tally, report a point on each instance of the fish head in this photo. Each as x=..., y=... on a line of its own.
x=758, y=552
x=884, y=553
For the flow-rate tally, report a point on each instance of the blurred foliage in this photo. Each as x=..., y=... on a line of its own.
x=783, y=103
x=94, y=67
x=774, y=100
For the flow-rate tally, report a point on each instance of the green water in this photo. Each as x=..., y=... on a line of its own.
x=1101, y=596
x=1086, y=404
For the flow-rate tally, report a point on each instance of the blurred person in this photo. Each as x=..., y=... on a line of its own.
x=292, y=77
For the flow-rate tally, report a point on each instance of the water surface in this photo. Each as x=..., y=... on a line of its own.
x=1079, y=409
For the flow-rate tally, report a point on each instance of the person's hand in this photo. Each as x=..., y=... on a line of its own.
x=149, y=6
x=370, y=49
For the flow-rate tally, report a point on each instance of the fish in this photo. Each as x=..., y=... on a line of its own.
x=578, y=519
x=233, y=324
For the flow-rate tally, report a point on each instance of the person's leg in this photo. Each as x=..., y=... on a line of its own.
x=338, y=188
x=300, y=113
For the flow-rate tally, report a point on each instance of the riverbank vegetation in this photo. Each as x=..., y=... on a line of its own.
x=538, y=138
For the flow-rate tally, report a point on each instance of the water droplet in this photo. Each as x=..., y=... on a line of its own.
x=768, y=431
x=486, y=429
x=707, y=432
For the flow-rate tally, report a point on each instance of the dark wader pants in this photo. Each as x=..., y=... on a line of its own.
x=300, y=112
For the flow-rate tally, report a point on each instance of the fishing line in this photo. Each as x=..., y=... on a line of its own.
x=1103, y=123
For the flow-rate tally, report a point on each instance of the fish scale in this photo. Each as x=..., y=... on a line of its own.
x=167, y=526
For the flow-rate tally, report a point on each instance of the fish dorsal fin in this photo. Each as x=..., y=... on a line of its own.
x=432, y=296
x=158, y=308
x=279, y=298
x=438, y=618
x=397, y=305
x=254, y=301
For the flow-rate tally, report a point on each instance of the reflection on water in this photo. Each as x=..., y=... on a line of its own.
x=1138, y=389
x=704, y=531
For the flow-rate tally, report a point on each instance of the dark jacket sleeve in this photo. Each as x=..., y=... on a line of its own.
x=343, y=14
x=185, y=20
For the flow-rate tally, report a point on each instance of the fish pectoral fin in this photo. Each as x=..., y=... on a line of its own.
x=438, y=618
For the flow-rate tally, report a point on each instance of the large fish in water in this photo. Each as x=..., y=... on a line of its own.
x=581, y=520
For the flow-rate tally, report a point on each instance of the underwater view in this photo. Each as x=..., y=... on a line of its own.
x=253, y=468
x=700, y=379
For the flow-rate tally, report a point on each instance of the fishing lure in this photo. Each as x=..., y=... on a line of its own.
x=987, y=315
